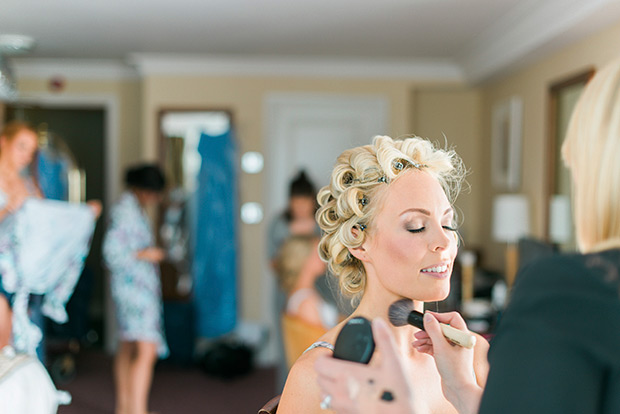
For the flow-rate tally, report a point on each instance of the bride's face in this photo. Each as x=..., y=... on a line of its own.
x=411, y=245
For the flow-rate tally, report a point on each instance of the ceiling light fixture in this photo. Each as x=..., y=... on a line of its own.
x=11, y=44
x=8, y=86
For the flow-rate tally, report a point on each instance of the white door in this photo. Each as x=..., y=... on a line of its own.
x=309, y=131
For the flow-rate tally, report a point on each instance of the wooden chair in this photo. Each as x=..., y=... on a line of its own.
x=297, y=336
x=271, y=406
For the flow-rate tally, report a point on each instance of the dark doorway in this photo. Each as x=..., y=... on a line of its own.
x=83, y=132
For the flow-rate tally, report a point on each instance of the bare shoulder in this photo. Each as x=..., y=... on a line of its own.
x=301, y=393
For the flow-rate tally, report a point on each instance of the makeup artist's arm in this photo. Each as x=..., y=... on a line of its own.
x=357, y=388
x=457, y=365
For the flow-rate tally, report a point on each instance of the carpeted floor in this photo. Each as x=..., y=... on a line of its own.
x=176, y=390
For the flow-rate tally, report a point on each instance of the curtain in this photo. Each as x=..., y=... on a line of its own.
x=215, y=252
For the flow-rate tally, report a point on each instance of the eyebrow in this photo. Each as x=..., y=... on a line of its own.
x=425, y=212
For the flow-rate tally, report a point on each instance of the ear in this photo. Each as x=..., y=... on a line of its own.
x=360, y=252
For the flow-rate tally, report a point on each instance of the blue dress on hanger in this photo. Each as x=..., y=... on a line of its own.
x=215, y=253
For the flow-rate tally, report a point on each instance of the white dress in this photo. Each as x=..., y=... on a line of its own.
x=42, y=251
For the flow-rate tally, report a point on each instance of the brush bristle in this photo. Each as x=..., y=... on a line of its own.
x=399, y=312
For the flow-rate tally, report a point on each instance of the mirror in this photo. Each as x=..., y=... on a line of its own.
x=563, y=96
x=180, y=137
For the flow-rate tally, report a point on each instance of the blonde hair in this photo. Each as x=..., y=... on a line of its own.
x=353, y=197
x=291, y=258
x=591, y=152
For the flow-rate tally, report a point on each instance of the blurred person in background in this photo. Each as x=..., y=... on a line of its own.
x=34, y=231
x=297, y=220
x=130, y=253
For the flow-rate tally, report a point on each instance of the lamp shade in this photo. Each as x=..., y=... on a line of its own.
x=511, y=219
x=560, y=221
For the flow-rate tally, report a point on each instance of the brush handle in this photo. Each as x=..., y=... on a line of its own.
x=464, y=339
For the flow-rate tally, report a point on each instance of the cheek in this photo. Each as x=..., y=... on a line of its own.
x=399, y=250
x=23, y=154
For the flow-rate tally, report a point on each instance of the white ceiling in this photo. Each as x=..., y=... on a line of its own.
x=471, y=39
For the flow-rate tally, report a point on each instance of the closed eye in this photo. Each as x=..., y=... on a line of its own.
x=420, y=230
x=450, y=228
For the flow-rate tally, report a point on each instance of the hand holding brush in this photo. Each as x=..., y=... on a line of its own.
x=463, y=375
x=402, y=313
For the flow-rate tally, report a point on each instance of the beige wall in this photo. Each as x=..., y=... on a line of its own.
x=245, y=97
x=531, y=84
x=454, y=113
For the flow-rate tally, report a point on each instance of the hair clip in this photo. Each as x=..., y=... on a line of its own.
x=418, y=165
x=364, y=201
x=362, y=227
x=382, y=179
x=349, y=179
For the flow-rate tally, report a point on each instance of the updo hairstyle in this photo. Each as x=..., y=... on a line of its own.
x=358, y=183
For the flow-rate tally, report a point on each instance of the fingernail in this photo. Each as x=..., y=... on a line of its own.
x=428, y=317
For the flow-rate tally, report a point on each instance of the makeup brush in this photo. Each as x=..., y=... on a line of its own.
x=402, y=313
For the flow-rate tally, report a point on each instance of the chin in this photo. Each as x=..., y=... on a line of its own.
x=435, y=296
x=438, y=295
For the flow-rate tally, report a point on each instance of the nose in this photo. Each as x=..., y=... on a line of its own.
x=442, y=239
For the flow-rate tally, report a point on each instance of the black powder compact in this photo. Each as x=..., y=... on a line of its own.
x=355, y=342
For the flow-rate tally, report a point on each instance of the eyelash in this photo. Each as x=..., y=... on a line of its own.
x=421, y=229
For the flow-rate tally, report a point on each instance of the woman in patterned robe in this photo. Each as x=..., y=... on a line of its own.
x=131, y=255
